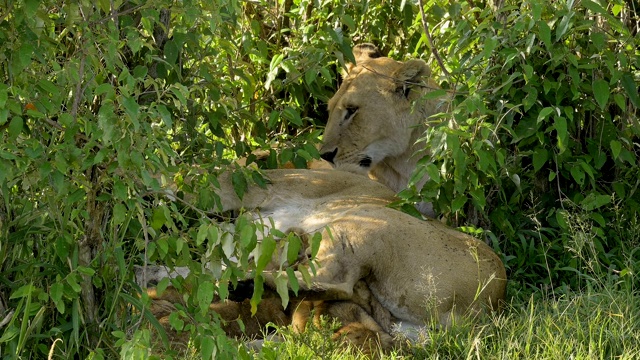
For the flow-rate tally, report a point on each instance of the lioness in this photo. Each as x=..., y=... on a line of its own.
x=376, y=118
x=417, y=270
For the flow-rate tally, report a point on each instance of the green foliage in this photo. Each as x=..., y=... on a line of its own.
x=544, y=124
x=595, y=324
x=103, y=102
x=598, y=323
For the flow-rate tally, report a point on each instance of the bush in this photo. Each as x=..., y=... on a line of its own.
x=544, y=127
x=100, y=101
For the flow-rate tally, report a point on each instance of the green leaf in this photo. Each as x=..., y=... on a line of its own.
x=563, y=26
x=3, y=97
x=133, y=110
x=165, y=115
x=540, y=157
x=594, y=201
x=293, y=248
x=258, y=290
x=593, y=6
x=158, y=219
x=247, y=234
x=544, y=113
x=282, y=288
x=204, y=295
x=560, y=125
x=163, y=246
x=601, y=92
x=578, y=174
x=306, y=277
x=292, y=115
x=435, y=94
x=72, y=281
x=478, y=197
x=176, y=321
x=310, y=76
x=23, y=291
x=207, y=348
x=458, y=203
x=15, y=127
x=239, y=183
x=119, y=213
x=86, y=270
x=267, y=247
x=140, y=72
x=616, y=146
x=315, y=242
x=119, y=190
x=213, y=237
x=56, y=291
x=561, y=218
x=434, y=173
x=275, y=61
x=631, y=87
x=545, y=33
x=171, y=52
x=202, y=233
x=228, y=245
x=293, y=281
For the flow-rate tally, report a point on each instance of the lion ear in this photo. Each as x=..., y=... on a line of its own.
x=366, y=51
x=412, y=72
x=363, y=52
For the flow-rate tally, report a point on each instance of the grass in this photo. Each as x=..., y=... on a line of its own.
x=596, y=324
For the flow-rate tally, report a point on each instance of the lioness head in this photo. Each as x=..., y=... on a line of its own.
x=376, y=116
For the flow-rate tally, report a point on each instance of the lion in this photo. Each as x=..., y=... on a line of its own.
x=356, y=140
x=415, y=272
x=418, y=270
x=359, y=328
x=377, y=117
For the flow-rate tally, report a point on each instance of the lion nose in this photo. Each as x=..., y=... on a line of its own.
x=329, y=155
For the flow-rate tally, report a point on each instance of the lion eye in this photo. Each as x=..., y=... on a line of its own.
x=351, y=112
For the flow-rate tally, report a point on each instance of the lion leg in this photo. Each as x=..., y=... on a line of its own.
x=318, y=289
x=359, y=328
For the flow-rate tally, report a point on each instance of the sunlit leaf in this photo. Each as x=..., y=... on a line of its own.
x=282, y=288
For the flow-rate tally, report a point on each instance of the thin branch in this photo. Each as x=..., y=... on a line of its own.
x=452, y=91
x=433, y=48
x=78, y=96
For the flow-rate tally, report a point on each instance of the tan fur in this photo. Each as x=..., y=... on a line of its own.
x=377, y=114
x=359, y=328
x=231, y=313
x=417, y=270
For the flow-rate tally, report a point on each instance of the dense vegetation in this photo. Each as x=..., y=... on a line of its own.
x=98, y=99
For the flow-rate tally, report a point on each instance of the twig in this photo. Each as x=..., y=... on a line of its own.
x=433, y=48
x=76, y=100
x=452, y=91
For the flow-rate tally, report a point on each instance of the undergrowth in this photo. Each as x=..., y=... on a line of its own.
x=594, y=324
